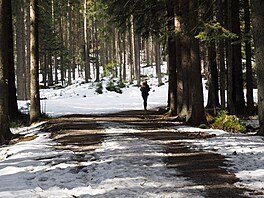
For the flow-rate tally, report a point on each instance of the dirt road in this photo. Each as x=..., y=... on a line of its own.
x=141, y=154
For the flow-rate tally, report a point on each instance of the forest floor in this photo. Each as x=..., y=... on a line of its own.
x=145, y=147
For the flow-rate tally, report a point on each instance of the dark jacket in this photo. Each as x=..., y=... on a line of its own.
x=144, y=90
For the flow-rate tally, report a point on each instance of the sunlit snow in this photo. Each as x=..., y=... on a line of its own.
x=35, y=169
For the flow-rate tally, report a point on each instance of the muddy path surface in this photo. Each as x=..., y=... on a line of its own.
x=141, y=154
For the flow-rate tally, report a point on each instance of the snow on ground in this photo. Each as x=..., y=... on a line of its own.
x=82, y=99
x=35, y=169
x=244, y=153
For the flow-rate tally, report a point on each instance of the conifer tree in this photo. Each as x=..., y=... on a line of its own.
x=5, y=134
x=258, y=33
x=34, y=61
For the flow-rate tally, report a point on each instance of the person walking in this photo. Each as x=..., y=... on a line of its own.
x=144, y=93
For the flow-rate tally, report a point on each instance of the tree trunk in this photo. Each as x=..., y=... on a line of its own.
x=27, y=51
x=171, y=58
x=34, y=60
x=86, y=45
x=50, y=70
x=44, y=69
x=73, y=42
x=238, y=74
x=258, y=35
x=148, y=50
x=178, y=57
x=115, y=46
x=221, y=53
x=12, y=97
x=5, y=133
x=56, y=69
x=97, y=69
x=230, y=62
x=68, y=40
x=212, y=73
x=158, y=66
x=137, y=58
x=249, y=80
x=222, y=74
x=213, y=97
x=197, y=113
x=235, y=75
x=62, y=67
x=185, y=59
x=20, y=48
x=131, y=52
x=124, y=56
x=120, y=53
x=104, y=54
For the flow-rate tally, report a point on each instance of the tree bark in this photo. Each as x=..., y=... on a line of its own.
x=22, y=91
x=238, y=74
x=50, y=70
x=212, y=73
x=68, y=40
x=86, y=45
x=178, y=57
x=12, y=96
x=27, y=51
x=115, y=46
x=236, y=102
x=120, y=53
x=197, y=113
x=230, y=82
x=148, y=50
x=249, y=79
x=34, y=63
x=137, y=58
x=44, y=69
x=131, y=51
x=213, y=97
x=124, y=56
x=5, y=133
x=97, y=69
x=158, y=65
x=221, y=52
x=258, y=35
x=185, y=59
x=56, y=80
x=171, y=59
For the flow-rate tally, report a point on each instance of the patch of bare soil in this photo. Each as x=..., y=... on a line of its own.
x=23, y=139
x=86, y=133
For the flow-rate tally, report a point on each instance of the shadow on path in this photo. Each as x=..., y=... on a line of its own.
x=87, y=132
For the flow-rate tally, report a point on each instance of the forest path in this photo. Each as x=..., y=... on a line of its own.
x=141, y=154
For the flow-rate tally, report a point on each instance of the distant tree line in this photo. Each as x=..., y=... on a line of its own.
x=61, y=40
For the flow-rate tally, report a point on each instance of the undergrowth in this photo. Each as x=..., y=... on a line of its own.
x=112, y=86
x=99, y=88
x=20, y=120
x=228, y=122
